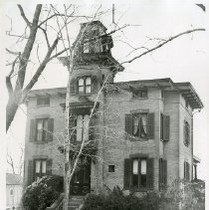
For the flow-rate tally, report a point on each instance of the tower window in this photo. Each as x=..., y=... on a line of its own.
x=84, y=85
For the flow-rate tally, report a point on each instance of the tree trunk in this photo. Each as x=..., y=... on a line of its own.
x=11, y=110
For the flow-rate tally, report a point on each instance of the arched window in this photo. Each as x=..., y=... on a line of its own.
x=11, y=192
x=186, y=133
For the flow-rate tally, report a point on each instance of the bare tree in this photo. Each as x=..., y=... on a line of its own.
x=18, y=94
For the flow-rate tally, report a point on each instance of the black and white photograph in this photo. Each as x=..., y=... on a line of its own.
x=106, y=105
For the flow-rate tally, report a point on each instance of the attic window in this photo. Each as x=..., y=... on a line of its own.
x=43, y=101
x=84, y=85
x=142, y=93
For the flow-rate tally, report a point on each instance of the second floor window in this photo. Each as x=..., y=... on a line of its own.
x=40, y=169
x=82, y=128
x=186, y=133
x=140, y=125
x=41, y=128
x=84, y=85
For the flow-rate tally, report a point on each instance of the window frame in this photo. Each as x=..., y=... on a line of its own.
x=140, y=126
x=40, y=99
x=82, y=129
x=187, y=136
x=142, y=93
x=41, y=174
x=139, y=176
x=85, y=85
x=44, y=132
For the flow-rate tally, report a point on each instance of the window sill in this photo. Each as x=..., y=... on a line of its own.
x=44, y=105
x=140, y=98
x=39, y=142
x=133, y=190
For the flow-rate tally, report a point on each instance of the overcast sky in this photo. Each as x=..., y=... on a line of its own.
x=185, y=59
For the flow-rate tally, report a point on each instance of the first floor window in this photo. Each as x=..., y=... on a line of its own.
x=40, y=168
x=186, y=171
x=139, y=173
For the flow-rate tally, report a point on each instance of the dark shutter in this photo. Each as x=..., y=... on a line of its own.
x=32, y=130
x=49, y=167
x=127, y=173
x=94, y=83
x=150, y=125
x=165, y=173
x=150, y=173
x=92, y=127
x=72, y=125
x=160, y=173
x=129, y=124
x=184, y=170
x=30, y=172
x=50, y=129
x=166, y=128
x=73, y=86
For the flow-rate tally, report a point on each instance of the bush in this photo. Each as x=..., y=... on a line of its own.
x=116, y=200
x=42, y=193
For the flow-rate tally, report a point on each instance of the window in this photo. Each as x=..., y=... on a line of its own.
x=82, y=128
x=43, y=101
x=186, y=171
x=140, y=93
x=11, y=192
x=84, y=85
x=86, y=47
x=111, y=168
x=187, y=104
x=186, y=133
x=41, y=129
x=40, y=169
x=140, y=125
x=164, y=127
x=162, y=173
x=139, y=173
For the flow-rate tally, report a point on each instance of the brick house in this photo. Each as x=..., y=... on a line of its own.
x=143, y=128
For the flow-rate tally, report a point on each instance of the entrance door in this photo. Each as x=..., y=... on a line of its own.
x=80, y=183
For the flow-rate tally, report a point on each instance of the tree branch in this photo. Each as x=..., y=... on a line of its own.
x=162, y=44
x=40, y=69
x=23, y=15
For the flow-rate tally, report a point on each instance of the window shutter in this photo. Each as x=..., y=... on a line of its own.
x=166, y=128
x=150, y=125
x=165, y=173
x=72, y=125
x=127, y=173
x=92, y=124
x=32, y=130
x=73, y=87
x=129, y=124
x=49, y=167
x=150, y=173
x=94, y=84
x=160, y=173
x=50, y=129
x=30, y=172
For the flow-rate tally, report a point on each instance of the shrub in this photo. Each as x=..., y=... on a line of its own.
x=42, y=193
x=116, y=200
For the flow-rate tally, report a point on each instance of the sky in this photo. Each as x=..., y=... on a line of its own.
x=184, y=59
